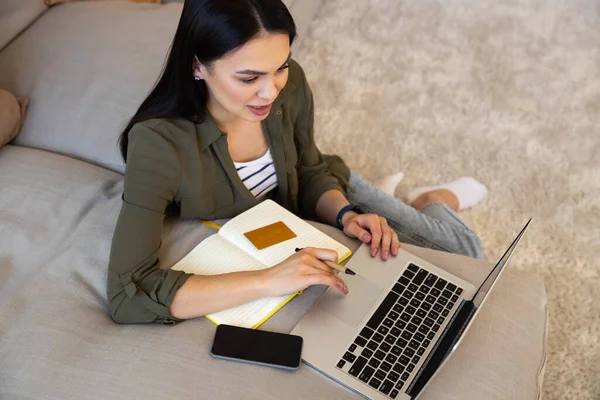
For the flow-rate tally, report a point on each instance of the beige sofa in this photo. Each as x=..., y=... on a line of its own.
x=86, y=67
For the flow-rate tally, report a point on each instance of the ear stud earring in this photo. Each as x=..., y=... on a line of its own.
x=197, y=78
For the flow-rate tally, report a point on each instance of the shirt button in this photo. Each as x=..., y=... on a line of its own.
x=278, y=112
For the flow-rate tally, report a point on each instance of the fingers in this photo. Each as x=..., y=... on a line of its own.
x=376, y=233
x=386, y=239
x=322, y=254
x=311, y=261
x=395, y=243
x=326, y=279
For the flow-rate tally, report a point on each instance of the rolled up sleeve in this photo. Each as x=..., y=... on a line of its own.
x=314, y=178
x=138, y=290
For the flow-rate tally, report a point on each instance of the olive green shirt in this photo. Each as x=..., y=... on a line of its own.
x=177, y=165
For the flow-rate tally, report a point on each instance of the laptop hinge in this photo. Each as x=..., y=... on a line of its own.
x=443, y=347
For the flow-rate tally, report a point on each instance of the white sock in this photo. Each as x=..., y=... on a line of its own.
x=468, y=190
x=388, y=183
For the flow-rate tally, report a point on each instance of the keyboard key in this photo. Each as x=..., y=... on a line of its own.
x=413, y=268
x=447, y=294
x=411, y=309
x=373, y=362
x=420, y=276
x=391, y=358
x=378, y=337
x=445, y=313
x=459, y=291
x=367, y=332
x=388, y=322
x=403, y=301
x=374, y=383
x=386, y=387
x=367, y=353
x=403, y=360
x=383, y=330
x=357, y=366
x=419, y=337
x=437, y=307
x=435, y=292
x=385, y=347
x=341, y=364
x=405, y=376
x=430, y=280
x=406, y=335
x=424, y=329
x=373, y=345
x=361, y=341
x=349, y=357
x=352, y=348
x=366, y=374
x=386, y=366
x=433, y=315
x=391, y=339
x=396, y=332
x=430, y=299
x=393, y=376
x=382, y=310
x=380, y=355
x=426, y=306
x=415, y=359
x=399, y=385
x=421, y=313
x=405, y=317
x=426, y=343
x=419, y=296
x=440, y=320
x=442, y=300
x=424, y=289
x=394, y=393
x=413, y=344
x=400, y=324
x=450, y=305
x=408, y=274
x=454, y=297
x=440, y=284
x=451, y=287
x=396, y=350
x=411, y=328
x=379, y=374
x=421, y=351
x=431, y=335
x=404, y=281
x=393, y=315
x=410, y=367
x=409, y=352
x=398, y=368
x=428, y=321
x=398, y=288
x=413, y=288
x=398, y=308
x=435, y=328
x=401, y=343
x=407, y=294
x=416, y=320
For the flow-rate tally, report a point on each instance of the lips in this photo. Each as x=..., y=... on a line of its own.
x=260, y=110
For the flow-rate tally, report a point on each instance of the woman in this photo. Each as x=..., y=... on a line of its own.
x=228, y=124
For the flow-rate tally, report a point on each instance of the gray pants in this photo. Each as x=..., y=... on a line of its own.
x=437, y=226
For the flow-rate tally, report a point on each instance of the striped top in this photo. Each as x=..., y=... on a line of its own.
x=258, y=175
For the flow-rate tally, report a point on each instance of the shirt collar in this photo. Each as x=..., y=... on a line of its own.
x=208, y=131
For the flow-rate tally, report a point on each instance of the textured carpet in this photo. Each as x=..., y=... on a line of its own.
x=506, y=91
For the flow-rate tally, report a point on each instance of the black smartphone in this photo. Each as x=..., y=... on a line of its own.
x=257, y=347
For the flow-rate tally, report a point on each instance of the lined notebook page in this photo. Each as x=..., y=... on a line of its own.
x=268, y=212
x=215, y=255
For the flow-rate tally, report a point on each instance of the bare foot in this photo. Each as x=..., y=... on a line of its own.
x=436, y=196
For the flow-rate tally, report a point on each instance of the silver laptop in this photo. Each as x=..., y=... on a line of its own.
x=397, y=327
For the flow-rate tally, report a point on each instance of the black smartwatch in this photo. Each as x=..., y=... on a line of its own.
x=344, y=210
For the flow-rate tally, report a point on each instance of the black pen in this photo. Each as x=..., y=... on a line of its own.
x=334, y=265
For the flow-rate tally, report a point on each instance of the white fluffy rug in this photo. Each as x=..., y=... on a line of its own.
x=506, y=91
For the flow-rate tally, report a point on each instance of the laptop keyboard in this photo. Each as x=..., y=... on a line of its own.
x=388, y=348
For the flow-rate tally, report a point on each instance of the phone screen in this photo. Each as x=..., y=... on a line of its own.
x=260, y=347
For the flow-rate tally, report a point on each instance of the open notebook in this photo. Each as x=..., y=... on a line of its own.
x=230, y=251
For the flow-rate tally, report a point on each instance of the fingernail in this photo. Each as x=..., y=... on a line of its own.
x=394, y=251
x=373, y=252
x=385, y=254
x=366, y=238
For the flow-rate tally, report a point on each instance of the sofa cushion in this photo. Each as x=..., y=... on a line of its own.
x=57, y=216
x=89, y=66
x=16, y=15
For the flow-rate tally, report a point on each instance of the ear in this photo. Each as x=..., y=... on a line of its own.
x=198, y=70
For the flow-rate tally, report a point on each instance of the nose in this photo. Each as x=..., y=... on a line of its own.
x=268, y=91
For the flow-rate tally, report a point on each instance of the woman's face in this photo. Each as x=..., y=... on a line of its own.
x=244, y=84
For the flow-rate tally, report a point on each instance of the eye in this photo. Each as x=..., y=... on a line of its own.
x=286, y=66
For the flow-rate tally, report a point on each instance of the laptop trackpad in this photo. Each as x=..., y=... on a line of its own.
x=352, y=307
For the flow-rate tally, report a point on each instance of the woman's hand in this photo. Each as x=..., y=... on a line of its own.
x=372, y=228
x=303, y=269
